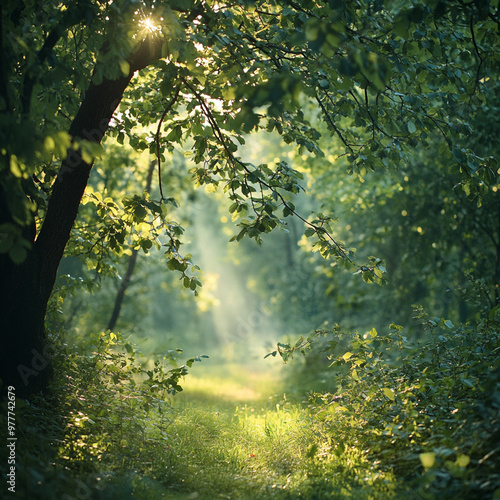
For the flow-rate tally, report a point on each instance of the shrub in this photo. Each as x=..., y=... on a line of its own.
x=428, y=411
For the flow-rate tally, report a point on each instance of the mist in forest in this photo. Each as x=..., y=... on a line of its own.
x=255, y=295
x=242, y=321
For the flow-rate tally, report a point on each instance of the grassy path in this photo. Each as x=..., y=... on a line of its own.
x=238, y=436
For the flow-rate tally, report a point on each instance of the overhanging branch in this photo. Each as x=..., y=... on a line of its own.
x=90, y=123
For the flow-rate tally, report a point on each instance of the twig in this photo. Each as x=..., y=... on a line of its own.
x=481, y=60
x=332, y=124
x=158, y=155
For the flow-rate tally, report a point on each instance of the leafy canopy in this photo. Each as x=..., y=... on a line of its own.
x=383, y=76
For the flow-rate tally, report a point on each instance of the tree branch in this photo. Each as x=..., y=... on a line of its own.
x=320, y=231
x=332, y=124
x=158, y=155
x=70, y=18
x=476, y=48
x=90, y=123
x=130, y=267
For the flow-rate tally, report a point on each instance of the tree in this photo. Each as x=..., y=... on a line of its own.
x=130, y=268
x=383, y=75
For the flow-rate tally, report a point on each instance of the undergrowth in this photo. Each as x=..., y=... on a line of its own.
x=401, y=419
x=427, y=411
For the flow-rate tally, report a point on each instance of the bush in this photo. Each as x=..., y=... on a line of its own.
x=106, y=415
x=427, y=411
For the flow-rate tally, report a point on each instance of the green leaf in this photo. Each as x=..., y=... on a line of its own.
x=125, y=67
x=427, y=459
x=368, y=276
x=146, y=244
x=389, y=393
x=18, y=254
x=271, y=354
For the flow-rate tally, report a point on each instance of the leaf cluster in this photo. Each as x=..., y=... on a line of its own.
x=113, y=394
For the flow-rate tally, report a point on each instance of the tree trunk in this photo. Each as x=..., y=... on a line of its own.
x=90, y=123
x=130, y=267
x=24, y=358
x=25, y=289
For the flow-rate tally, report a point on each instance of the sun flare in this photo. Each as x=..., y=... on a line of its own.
x=149, y=26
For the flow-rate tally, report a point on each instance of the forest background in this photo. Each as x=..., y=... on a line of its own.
x=220, y=178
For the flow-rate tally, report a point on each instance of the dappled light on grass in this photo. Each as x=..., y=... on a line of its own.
x=216, y=390
x=385, y=430
x=261, y=447
x=231, y=383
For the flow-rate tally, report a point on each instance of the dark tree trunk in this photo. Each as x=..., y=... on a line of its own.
x=24, y=359
x=25, y=289
x=90, y=123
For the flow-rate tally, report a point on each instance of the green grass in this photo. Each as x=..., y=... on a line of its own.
x=238, y=437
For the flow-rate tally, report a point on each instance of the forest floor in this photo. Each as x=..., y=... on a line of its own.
x=245, y=431
x=235, y=433
x=426, y=427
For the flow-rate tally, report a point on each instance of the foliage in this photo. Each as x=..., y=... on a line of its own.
x=111, y=402
x=426, y=411
x=133, y=443
x=401, y=95
x=105, y=388
x=109, y=410
x=400, y=418
x=207, y=76
x=431, y=231
x=437, y=240
x=382, y=87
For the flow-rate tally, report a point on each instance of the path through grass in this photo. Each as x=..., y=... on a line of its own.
x=233, y=433
x=238, y=435
x=237, y=432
